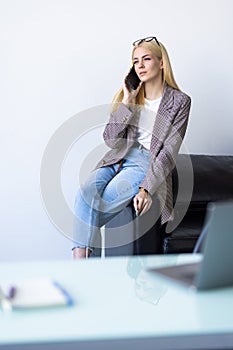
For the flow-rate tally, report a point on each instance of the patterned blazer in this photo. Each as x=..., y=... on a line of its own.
x=168, y=132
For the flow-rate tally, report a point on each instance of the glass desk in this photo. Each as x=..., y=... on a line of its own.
x=118, y=305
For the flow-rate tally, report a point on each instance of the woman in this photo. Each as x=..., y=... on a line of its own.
x=144, y=133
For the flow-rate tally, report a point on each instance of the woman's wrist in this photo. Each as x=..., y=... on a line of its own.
x=126, y=102
x=141, y=189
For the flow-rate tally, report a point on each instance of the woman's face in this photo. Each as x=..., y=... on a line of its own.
x=147, y=66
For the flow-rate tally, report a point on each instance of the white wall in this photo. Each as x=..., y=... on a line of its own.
x=51, y=51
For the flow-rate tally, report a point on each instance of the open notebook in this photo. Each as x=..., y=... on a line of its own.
x=33, y=293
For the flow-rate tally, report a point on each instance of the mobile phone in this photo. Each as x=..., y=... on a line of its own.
x=132, y=81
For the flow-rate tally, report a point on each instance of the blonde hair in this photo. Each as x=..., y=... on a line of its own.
x=161, y=53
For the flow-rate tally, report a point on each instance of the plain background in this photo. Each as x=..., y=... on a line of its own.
x=59, y=58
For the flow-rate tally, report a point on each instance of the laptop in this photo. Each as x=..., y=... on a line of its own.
x=215, y=270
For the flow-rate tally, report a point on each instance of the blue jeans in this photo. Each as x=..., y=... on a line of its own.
x=105, y=193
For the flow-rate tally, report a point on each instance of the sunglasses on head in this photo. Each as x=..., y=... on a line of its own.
x=149, y=38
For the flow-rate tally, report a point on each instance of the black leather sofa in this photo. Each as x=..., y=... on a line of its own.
x=197, y=181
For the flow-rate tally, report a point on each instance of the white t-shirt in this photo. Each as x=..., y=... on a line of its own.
x=146, y=121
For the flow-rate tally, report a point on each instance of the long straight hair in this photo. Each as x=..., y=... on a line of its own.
x=167, y=74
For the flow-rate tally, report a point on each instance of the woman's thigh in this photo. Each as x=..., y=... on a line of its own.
x=123, y=187
x=95, y=184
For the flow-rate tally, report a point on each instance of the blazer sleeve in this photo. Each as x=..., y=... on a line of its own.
x=164, y=162
x=116, y=129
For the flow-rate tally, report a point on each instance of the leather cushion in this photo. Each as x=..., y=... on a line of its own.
x=213, y=176
x=184, y=237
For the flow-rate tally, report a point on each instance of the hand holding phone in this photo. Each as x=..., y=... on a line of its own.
x=132, y=81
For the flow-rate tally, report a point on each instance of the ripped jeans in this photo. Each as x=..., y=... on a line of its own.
x=104, y=194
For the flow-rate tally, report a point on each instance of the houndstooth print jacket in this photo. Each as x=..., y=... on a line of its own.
x=168, y=132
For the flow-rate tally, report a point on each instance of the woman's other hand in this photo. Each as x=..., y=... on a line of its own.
x=142, y=202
